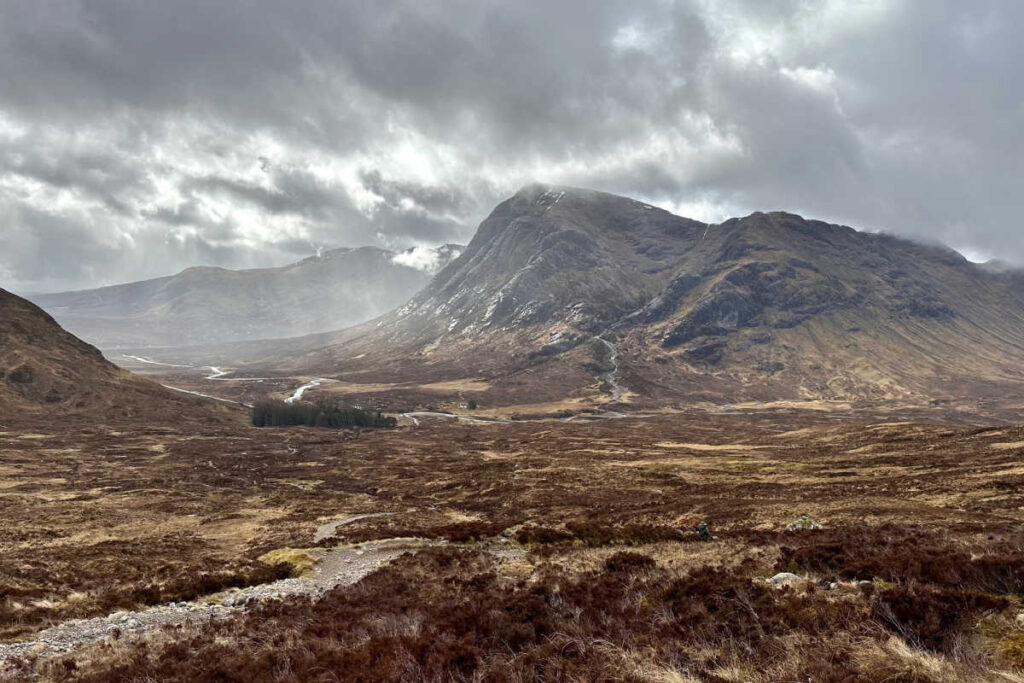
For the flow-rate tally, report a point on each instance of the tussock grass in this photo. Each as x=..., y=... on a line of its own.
x=300, y=560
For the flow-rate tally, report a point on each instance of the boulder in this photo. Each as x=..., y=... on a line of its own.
x=784, y=579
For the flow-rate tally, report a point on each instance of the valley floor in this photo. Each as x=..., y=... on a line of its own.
x=517, y=550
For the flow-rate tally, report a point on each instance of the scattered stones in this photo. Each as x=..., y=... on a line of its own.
x=805, y=523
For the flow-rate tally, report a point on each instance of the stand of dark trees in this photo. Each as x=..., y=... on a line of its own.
x=280, y=414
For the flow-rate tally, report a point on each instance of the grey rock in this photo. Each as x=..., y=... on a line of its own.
x=784, y=579
x=805, y=523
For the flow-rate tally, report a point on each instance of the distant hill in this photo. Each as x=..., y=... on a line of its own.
x=339, y=288
x=48, y=372
x=770, y=306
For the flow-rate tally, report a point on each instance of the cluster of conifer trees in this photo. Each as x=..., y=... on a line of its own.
x=280, y=414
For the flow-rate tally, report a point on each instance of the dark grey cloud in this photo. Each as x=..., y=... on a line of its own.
x=140, y=137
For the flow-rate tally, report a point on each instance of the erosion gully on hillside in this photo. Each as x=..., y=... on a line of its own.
x=528, y=520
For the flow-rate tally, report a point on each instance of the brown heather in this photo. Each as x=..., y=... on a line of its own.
x=555, y=551
x=571, y=554
x=449, y=614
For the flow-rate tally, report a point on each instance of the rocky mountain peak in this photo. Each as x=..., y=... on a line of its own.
x=557, y=253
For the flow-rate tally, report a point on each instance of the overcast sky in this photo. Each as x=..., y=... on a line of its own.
x=140, y=137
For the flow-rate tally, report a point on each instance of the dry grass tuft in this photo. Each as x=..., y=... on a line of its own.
x=301, y=560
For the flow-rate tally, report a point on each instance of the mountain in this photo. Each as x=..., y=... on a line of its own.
x=569, y=292
x=999, y=266
x=49, y=373
x=336, y=289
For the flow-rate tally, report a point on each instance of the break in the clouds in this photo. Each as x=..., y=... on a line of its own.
x=139, y=138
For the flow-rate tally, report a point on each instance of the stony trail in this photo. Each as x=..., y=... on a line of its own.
x=338, y=567
x=325, y=531
x=414, y=416
x=335, y=567
x=611, y=377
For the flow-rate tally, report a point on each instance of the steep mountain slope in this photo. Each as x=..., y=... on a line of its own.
x=565, y=291
x=337, y=289
x=46, y=371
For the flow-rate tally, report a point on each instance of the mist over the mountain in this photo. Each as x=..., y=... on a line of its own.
x=332, y=290
x=44, y=370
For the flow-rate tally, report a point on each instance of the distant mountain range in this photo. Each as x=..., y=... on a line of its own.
x=334, y=290
x=563, y=291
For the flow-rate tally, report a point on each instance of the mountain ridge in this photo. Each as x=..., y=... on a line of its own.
x=586, y=297
x=209, y=304
x=769, y=306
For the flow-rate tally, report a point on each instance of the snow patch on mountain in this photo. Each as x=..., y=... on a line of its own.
x=427, y=259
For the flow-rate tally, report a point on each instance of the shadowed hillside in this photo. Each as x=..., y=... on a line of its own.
x=46, y=372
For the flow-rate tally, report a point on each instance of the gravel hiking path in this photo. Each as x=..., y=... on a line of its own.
x=338, y=567
x=454, y=416
x=611, y=377
x=328, y=530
